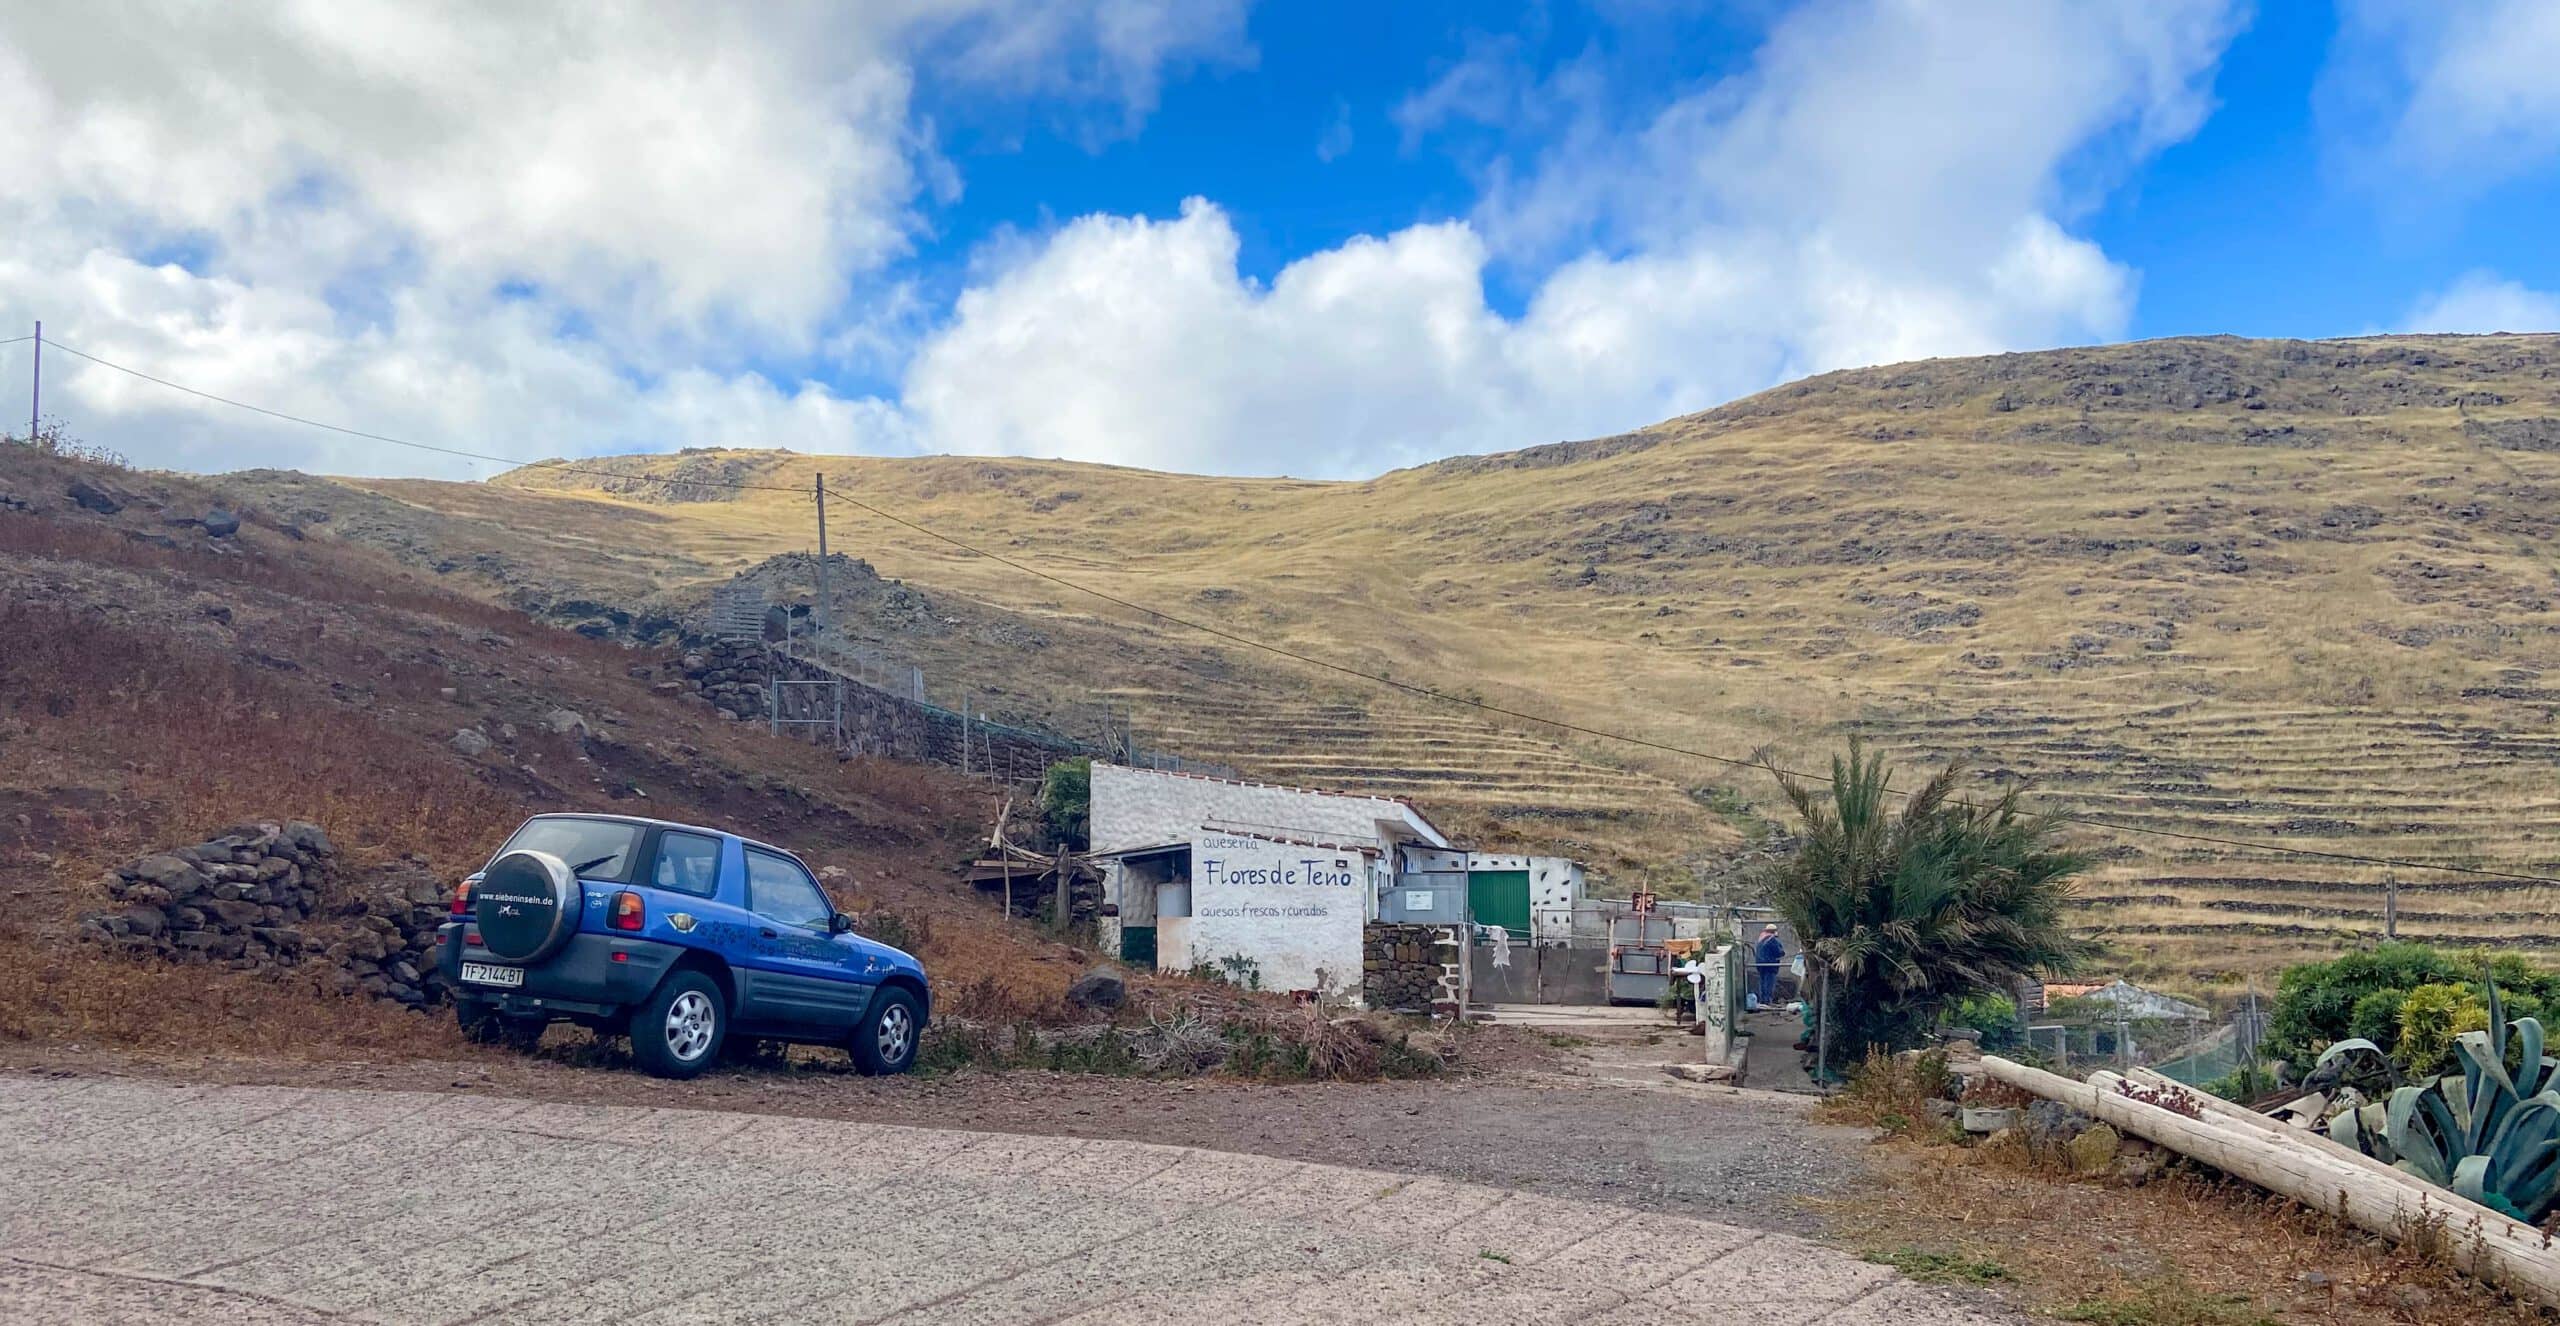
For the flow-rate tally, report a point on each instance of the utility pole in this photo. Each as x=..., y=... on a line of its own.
x=2391, y=905
x=826, y=608
x=35, y=387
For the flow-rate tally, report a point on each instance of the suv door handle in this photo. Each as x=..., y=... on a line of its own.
x=769, y=934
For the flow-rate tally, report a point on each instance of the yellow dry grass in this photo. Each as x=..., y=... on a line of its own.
x=2302, y=592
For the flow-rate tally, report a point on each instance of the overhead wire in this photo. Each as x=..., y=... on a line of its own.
x=1309, y=660
x=552, y=466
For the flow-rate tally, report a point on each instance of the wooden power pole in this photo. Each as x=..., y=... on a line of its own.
x=825, y=607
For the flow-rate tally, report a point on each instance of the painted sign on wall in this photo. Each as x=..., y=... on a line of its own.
x=1293, y=912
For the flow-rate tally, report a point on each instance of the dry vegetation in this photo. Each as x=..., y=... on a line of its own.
x=2186, y=1247
x=158, y=683
x=2304, y=591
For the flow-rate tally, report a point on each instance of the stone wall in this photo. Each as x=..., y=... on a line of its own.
x=732, y=677
x=275, y=899
x=1411, y=969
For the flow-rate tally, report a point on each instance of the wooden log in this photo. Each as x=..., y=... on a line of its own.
x=2313, y=1138
x=2476, y=1239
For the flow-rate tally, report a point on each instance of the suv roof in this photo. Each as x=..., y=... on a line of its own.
x=649, y=821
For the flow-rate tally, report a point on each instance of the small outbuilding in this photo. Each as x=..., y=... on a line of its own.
x=1262, y=884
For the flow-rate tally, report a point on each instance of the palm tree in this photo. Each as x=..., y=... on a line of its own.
x=1906, y=912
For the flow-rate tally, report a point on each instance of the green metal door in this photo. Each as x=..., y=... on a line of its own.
x=1499, y=897
x=1138, y=946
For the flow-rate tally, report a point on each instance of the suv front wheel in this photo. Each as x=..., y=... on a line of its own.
x=677, y=1031
x=886, y=1040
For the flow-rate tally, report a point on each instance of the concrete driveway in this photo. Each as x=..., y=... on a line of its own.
x=129, y=1201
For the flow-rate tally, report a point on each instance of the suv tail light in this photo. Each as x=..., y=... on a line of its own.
x=629, y=913
x=461, y=897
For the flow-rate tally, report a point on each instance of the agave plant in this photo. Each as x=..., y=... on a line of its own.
x=2487, y=1135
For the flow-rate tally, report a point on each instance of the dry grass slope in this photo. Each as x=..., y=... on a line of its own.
x=2305, y=590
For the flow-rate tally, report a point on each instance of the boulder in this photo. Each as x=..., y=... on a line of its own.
x=2094, y=1150
x=2139, y=1162
x=1101, y=989
x=94, y=498
x=310, y=838
x=565, y=721
x=221, y=524
x=171, y=872
x=471, y=742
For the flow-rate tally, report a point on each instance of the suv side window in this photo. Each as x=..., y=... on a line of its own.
x=779, y=890
x=687, y=863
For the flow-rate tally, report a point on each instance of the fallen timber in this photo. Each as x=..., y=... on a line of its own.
x=2315, y=1171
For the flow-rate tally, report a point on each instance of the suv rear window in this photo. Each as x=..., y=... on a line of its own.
x=603, y=847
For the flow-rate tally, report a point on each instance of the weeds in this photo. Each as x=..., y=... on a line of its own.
x=2167, y=1301
x=1289, y=1047
x=217, y=741
x=1891, y=1091
x=72, y=994
x=1940, y=1268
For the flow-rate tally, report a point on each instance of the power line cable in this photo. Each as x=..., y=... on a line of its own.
x=1379, y=679
x=557, y=467
x=15, y=339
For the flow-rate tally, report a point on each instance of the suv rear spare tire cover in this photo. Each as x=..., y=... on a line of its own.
x=527, y=906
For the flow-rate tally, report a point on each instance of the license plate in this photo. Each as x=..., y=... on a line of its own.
x=488, y=973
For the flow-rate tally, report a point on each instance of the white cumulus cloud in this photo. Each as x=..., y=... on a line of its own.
x=2463, y=92
x=505, y=227
x=2486, y=302
x=1888, y=180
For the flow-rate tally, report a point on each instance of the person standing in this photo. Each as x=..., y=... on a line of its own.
x=1766, y=956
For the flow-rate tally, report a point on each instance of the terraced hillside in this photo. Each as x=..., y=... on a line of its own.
x=2294, y=591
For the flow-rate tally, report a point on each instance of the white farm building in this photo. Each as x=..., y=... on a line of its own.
x=1259, y=882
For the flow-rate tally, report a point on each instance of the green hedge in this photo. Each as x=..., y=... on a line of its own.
x=2365, y=994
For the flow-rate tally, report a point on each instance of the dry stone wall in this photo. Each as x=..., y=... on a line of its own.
x=731, y=676
x=1410, y=969
x=277, y=900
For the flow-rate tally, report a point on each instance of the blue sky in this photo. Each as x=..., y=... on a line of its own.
x=1310, y=238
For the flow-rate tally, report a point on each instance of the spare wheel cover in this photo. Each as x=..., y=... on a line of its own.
x=527, y=906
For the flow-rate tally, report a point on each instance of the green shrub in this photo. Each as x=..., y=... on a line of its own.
x=1994, y=1015
x=2377, y=1018
x=1066, y=802
x=2315, y=1002
x=2430, y=1018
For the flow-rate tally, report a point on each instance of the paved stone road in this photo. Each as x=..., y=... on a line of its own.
x=128, y=1201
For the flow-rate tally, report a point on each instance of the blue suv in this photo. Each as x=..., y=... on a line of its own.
x=681, y=937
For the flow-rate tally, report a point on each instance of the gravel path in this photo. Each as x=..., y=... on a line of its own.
x=124, y=1200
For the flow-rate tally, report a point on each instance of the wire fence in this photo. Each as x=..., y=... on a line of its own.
x=864, y=701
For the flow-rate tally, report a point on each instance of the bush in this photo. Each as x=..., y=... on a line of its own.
x=2364, y=994
x=2430, y=1018
x=2316, y=1002
x=2376, y=1017
x=1994, y=1015
x=1066, y=803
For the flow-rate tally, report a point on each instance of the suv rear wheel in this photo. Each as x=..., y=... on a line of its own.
x=885, y=1042
x=677, y=1031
